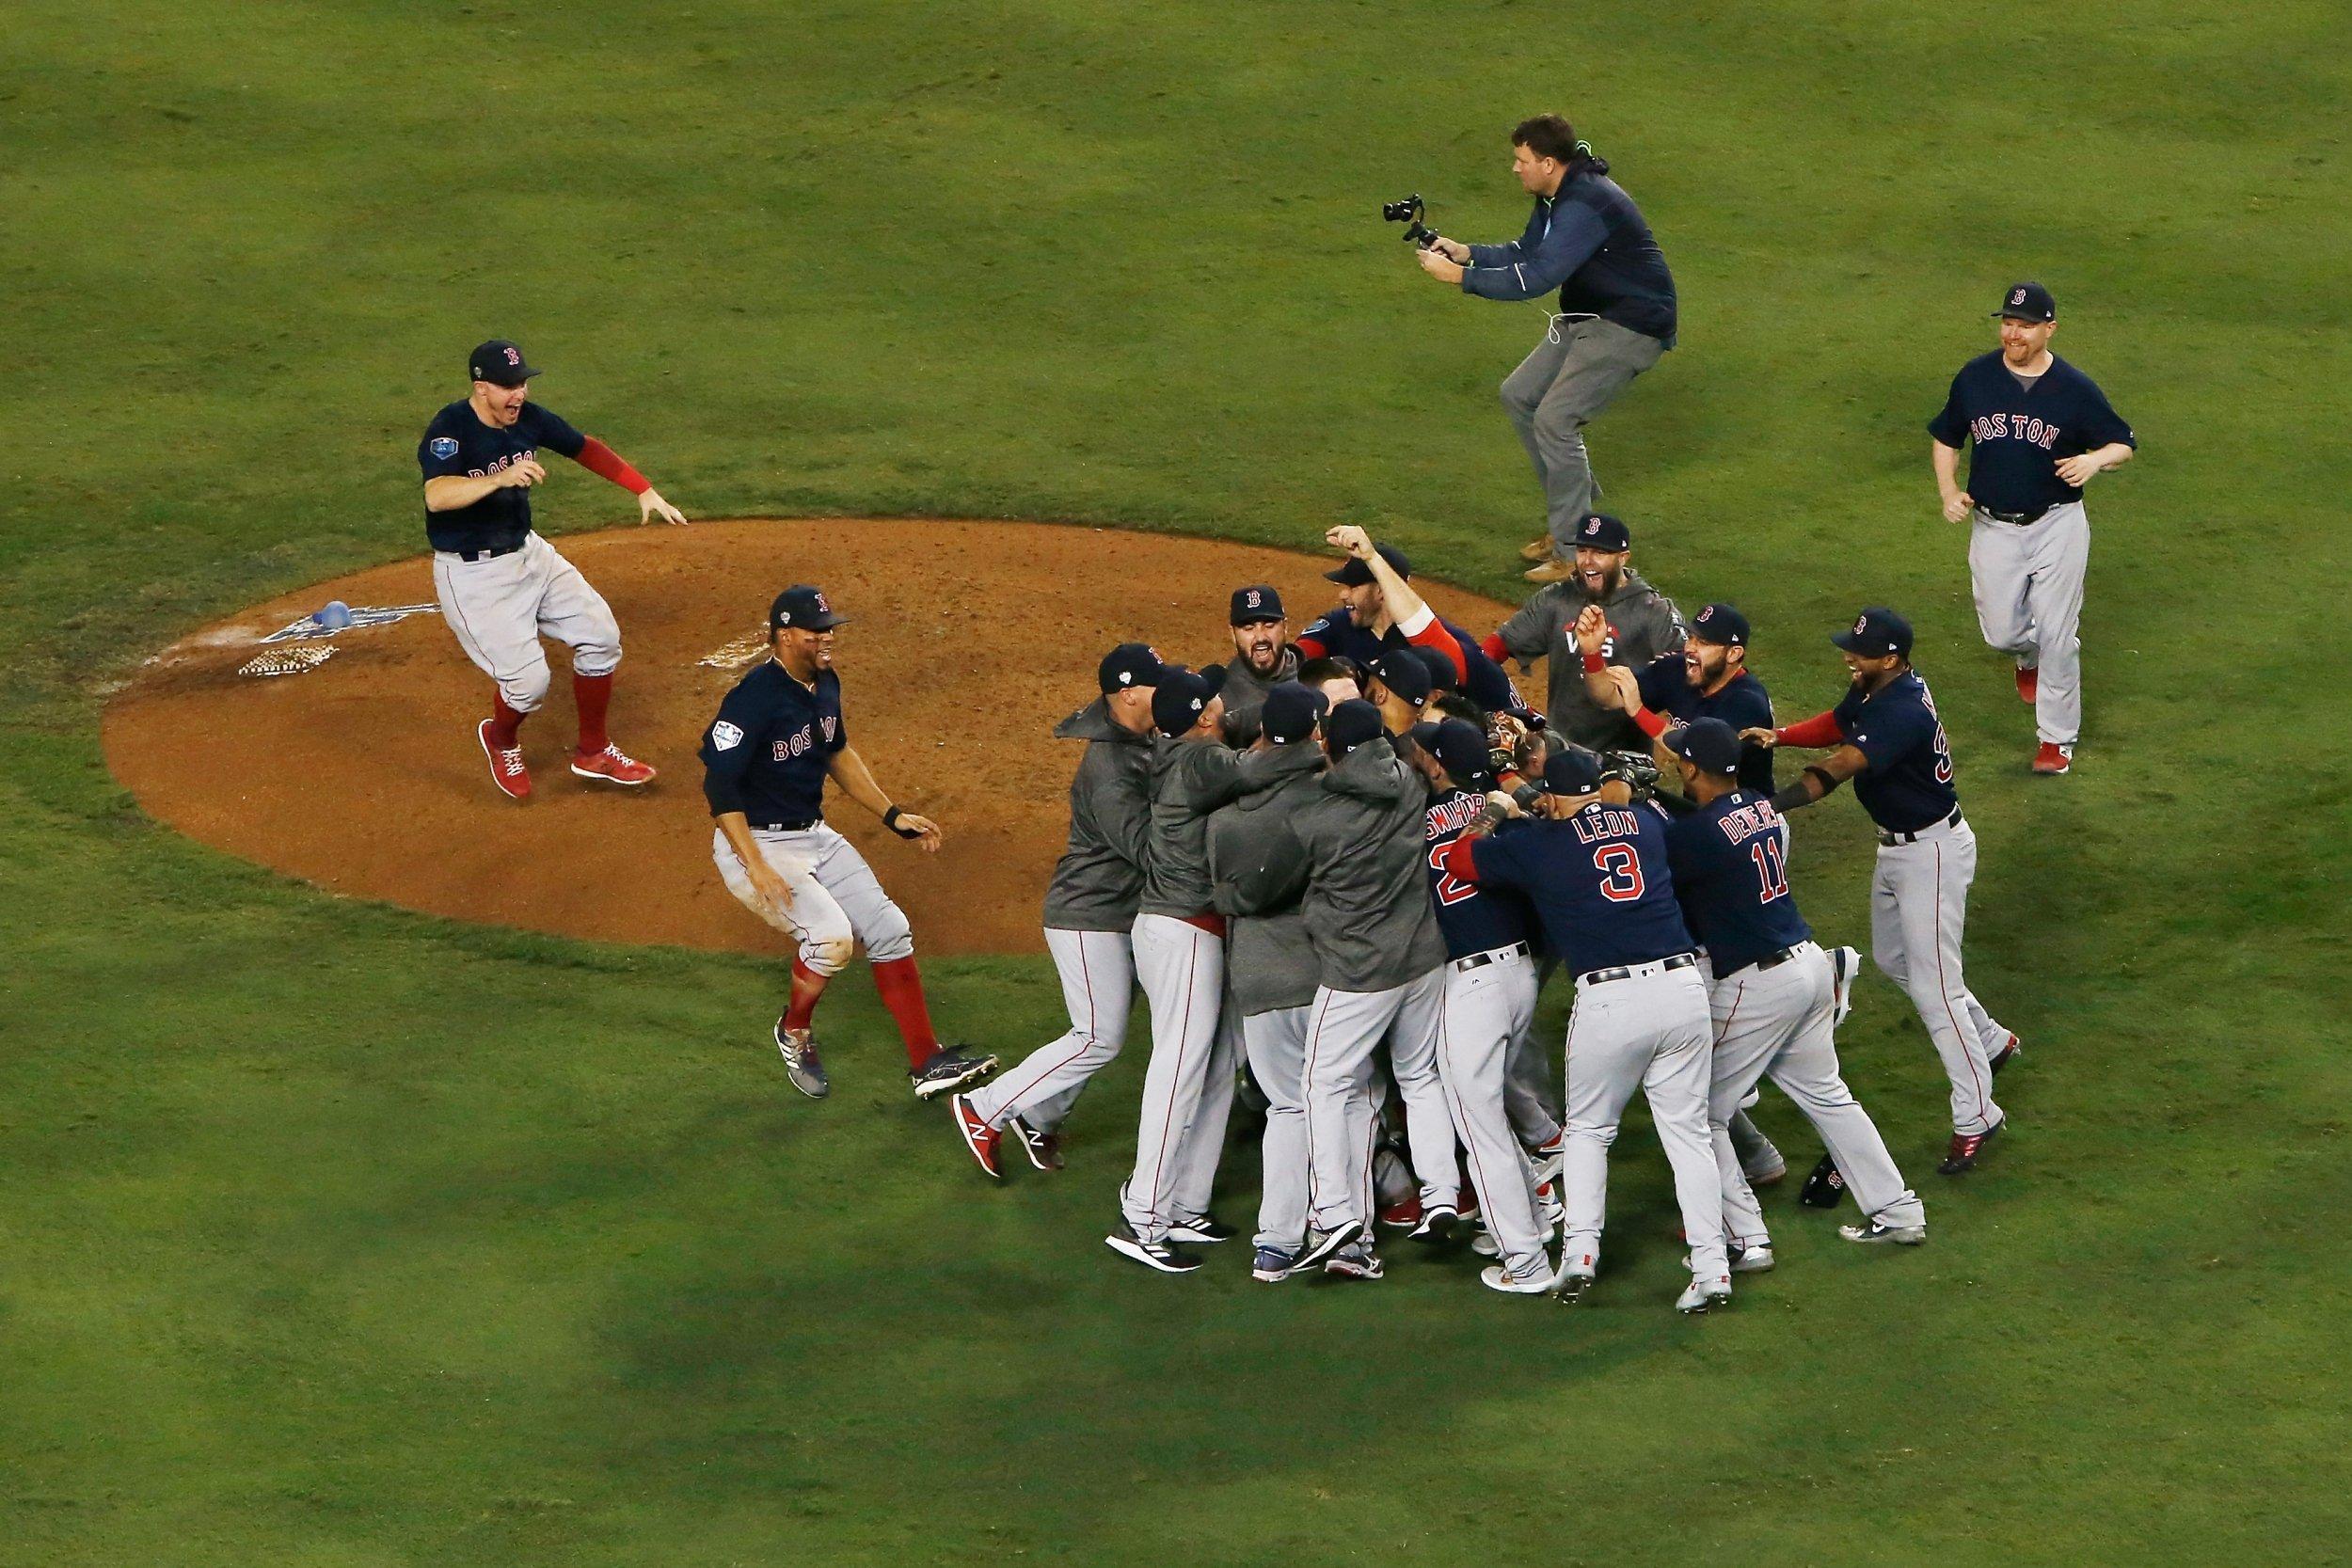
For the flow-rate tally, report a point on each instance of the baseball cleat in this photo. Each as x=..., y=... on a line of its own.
x=2053, y=757
x=1356, y=1261
x=1437, y=1223
x=612, y=764
x=1537, y=550
x=1576, y=1276
x=1752, y=1258
x=1545, y=1158
x=1824, y=1187
x=945, y=1071
x=800, y=1061
x=1875, y=1233
x=1272, y=1265
x=1550, y=1211
x=1967, y=1148
x=2028, y=683
x=1202, y=1229
x=1043, y=1148
x=506, y=766
x=1705, y=1295
x=1404, y=1215
x=1533, y=1283
x=978, y=1136
x=1320, y=1247
x=1151, y=1254
x=1845, y=963
x=2008, y=1054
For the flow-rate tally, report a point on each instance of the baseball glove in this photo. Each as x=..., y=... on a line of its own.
x=1636, y=770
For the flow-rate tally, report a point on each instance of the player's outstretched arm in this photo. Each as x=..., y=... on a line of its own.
x=1820, y=778
x=857, y=780
x=603, y=461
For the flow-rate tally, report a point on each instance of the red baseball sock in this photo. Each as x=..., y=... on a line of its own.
x=594, y=693
x=506, y=723
x=807, y=986
x=901, y=988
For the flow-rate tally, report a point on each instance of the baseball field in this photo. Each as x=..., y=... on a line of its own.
x=335, y=1233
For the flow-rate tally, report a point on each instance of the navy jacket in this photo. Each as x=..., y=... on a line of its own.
x=1590, y=242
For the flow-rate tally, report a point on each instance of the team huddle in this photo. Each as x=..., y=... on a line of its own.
x=1339, y=865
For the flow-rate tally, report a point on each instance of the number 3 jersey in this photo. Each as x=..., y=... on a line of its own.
x=1598, y=881
x=1731, y=875
x=1474, y=919
x=1908, y=784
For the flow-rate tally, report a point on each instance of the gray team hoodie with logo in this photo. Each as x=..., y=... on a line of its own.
x=1643, y=623
x=1367, y=901
x=1099, y=880
x=1258, y=869
x=1189, y=780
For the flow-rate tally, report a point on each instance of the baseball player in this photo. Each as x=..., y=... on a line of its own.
x=1643, y=625
x=500, y=586
x=1398, y=684
x=1595, y=870
x=1616, y=317
x=1259, y=869
x=1263, y=656
x=1707, y=677
x=1090, y=909
x=1884, y=736
x=1379, y=611
x=1489, y=1007
x=1380, y=980
x=778, y=736
x=2037, y=429
x=1772, y=994
x=1179, y=959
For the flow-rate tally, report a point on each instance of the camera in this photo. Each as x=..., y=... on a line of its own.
x=1410, y=211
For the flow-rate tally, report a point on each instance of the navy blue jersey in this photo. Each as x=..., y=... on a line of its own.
x=1485, y=681
x=1909, y=782
x=1741, y=703
x=1731, y=875
x=2019, y=433
x=1472, y=918
x=767, y=752
x=1598, y=880
x=458, y=444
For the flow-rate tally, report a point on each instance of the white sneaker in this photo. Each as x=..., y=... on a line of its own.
x=1748, y=1259
x=1705, y=1295
x=1485, y=1244
x=1534, y=1283
x=1877, y=1234
x=1576, y=1272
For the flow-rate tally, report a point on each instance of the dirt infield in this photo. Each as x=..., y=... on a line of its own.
x=967, y=641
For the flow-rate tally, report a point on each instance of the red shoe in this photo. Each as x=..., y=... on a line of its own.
x=612, y=764
x=2053, y=756
x=506, y=766
x=2007, y=1055
x=1967, y=1148
x=1404, y=1215
x=978, y=1136
x=2028, y=683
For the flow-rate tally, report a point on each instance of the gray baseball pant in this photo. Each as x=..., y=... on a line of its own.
x=1779, y=1022
x=1277, y=1042
x=1561, y=387
x=1098, y=985
x=1918, y=907
x=1486, y=1009
x=1182, y=968
x=836, y=899
x=1345, y=1030
x=2028, y=584
x=499, y=608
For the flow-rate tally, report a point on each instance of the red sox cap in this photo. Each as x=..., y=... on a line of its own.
x=500, y=363
x=1721, y=622
x=1600, y=531
x=1708, y=744
x=2027, y=302
x=1254, y=604
x=1130, y=664
x=804, y=608
x=1877, y=632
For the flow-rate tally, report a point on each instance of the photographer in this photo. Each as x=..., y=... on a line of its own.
x=1616, y=315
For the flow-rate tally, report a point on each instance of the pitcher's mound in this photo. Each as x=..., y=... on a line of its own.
x=968, y=642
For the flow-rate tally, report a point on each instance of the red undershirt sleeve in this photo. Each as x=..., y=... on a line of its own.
x=1491, y=645
x=1820, y=730
x=1427, y=631
x=605, y=463
x=1460, y=859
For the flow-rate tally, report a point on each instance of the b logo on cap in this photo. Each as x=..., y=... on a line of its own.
x=1592, y=524
x=822, y=605
x=1254, y=600
x=1706, y=613
x=1860, y=624
x=513, y=358
x=2017, y=296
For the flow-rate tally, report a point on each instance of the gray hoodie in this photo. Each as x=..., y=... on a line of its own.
x=1189, y=780
x=1099, y=878
x=1259, y=870
x=1642, y=623
x=1244, y=689
x=1367, y=902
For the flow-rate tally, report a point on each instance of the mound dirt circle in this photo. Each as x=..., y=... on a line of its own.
x=968, y=642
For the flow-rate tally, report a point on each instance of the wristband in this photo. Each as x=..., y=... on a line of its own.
x=1595, y=664
x=1649, y=723
x=890, y=820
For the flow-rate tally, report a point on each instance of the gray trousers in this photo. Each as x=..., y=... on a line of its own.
x=1560, y=387
x=1188, y=1084
x=1277, y=1043
x=1344, y=1031
x=1485, y=1010
x=1918, y=907
x=2028, y=586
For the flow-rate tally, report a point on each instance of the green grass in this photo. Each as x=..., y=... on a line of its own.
x=331, y=1235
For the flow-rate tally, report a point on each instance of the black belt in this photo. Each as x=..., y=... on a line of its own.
x=1492, y=956
x=1625, y=972
x=2019, y=519
x=1887, y=838
x=800, y=826
x=1769, y=960
x=486, y=555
